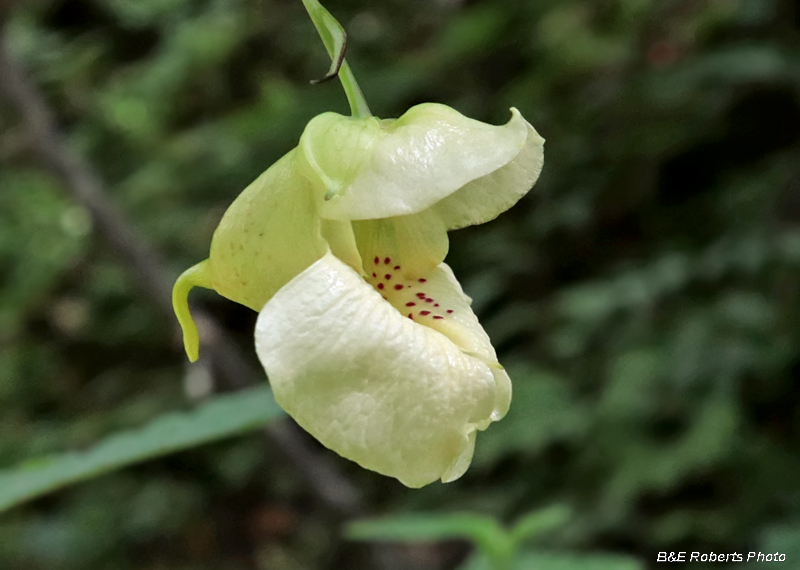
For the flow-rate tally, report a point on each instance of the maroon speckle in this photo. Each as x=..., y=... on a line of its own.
x=422, y=280
x=380, y=285
x=436, y=305
x=449, y=311
x=421, y=295
x=388, y=260
x=377, y=260
x=438, y=317
x=398, y=287
x=387, y=276
x=429, y=300
x=410, y=304
x=374, y=274
x=396, y=267
x=410, y=316
x=424, y=312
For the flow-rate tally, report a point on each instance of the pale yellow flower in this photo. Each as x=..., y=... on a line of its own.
x=367, y=338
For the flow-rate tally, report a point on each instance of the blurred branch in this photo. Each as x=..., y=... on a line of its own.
x=86, y=188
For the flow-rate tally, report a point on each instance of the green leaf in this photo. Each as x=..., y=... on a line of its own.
x=539, y=522
x=550, y=561
x=784, y=539
x=542, y=411
x=225, y=416
x=484, y=532
x=633, y=378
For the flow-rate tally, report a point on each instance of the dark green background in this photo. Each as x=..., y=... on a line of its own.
x=644, y=296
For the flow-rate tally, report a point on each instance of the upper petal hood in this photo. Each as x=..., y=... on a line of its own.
x=489, y=196
x=395, y=396
x=381, y=169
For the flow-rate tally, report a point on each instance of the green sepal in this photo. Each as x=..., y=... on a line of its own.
x=332, y=34
x=267, y=236
x=335, y=149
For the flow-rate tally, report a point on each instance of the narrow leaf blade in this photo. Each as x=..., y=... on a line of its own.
x=539, y=522
x=558, y=561
x=485, y=532
x=223, y=417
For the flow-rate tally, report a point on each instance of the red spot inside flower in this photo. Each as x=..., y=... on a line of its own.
x=377, y=260
x=449, y=310
x=438, y=317
x=436, y=305
x=388, y=260
x=398, y=287
x=388, y=276
x=422, y=280
x=411, y=304
x=424, y=312
x=429, y=300
x=421, y=295
x=374, y=274
x=411, y=316
x=380, y=285
x=396, y=267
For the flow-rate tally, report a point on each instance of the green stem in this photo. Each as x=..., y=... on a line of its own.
x=335, y=40
x=358, y=104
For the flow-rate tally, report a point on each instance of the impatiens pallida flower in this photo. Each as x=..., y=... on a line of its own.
x=366, y=336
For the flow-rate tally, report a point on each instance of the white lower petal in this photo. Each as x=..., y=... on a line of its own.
x=397, y=397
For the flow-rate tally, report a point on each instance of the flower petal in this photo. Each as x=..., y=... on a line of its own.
x=416, y=243
x=459, y=323
x=403, y=262
x=369, y=383
x=439, y=303
x=422, y=157
x=342, y=241
x=267, y=236
x=489, y=196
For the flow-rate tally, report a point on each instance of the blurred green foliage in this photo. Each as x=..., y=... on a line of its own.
x=223, y=417
x=644, y=296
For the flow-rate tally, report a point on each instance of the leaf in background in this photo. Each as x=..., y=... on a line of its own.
x=784, y=539
x=633, y=378
x=485, y=532
x=644, y=466
x=542, y=410
x=539, y=522
x=547, y=561
x=41, y=234
x=225, y=416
